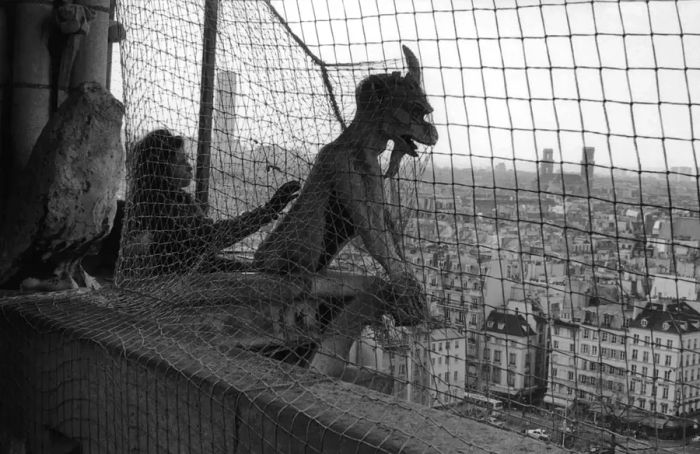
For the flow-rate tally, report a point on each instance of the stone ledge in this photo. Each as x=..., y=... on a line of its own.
x=118, y=383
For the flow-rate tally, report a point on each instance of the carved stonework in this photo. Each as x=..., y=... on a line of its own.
x=65, y=200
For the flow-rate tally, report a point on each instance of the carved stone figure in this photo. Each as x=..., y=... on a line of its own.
x=176, y=234
x=343, y=197
x=65, y=200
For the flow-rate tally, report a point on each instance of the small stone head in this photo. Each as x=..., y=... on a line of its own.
x=160, y=159
x=400, y=105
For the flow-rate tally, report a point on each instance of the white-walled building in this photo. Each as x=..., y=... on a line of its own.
x=665, y=360
x=427, y=367
x=650, y=363
x=588, y=361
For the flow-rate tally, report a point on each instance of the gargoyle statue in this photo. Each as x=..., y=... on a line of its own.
x=343, y=197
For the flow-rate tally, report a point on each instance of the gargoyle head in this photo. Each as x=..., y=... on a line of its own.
x=399, y=105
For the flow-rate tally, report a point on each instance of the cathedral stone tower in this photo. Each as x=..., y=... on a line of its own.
x=588, y=165
x=547, y=164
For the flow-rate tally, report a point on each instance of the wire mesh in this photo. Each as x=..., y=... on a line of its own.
x=553, y=229
x=545, y=225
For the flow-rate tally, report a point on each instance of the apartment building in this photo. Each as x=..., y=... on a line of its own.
x=634, y=366
x=509, y=355
x=665, y=360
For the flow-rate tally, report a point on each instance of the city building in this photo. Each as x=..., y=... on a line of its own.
x=664, y=360
x=509, y=356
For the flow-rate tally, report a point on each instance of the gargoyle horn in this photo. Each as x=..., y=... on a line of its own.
x=413, y=65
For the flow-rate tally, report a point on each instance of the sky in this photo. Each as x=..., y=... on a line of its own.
x=507, y=82
x=501, y=89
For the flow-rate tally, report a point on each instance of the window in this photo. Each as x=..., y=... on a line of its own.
x=511, y=378
x=456, y=345
x=496, y=375
x=572, y=347
x=554, y=372
x=604, y=336
x=496, y=356
x=456, y=375
x=440, y=346
x=556, y=330
x=634, y=354
x=571, y=375
x=669, y=343
x=656, y=358
x=633, y=385
x=447, y=377
x=643, y=389
x=643, y=323
x=668, y=360
x=439, y=359
x=613, y=338
x=635, y=339
x=586, y=333
x=556, y=345
x=447, y=360
x=664, y=392
x=634, y=369
x=607, y=319
x=644, y=371
x=594, y=350
x=667, y=375
x=646, y=340
x=585, y=348
x=664, y=408
x=487, y=354
x=645, y=357
x=511, y=359
x=657, y=341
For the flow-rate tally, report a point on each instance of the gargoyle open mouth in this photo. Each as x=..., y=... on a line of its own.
x=410, y=146
x=404, y=144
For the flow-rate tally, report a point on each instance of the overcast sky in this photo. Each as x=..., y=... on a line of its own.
x=508, y=82
x=476, y=80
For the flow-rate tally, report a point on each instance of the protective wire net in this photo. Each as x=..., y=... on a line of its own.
x=554, y=228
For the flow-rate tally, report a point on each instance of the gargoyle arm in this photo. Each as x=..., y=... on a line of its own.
x=363, y=187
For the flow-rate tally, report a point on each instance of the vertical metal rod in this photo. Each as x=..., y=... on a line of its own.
x=5, y=68
x=206, y=101
x=108, y=81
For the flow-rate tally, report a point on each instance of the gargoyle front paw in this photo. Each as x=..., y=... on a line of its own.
x=405, y=299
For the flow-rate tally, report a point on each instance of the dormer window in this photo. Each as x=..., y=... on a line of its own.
x=489, y=324
x=501, y=326
x=665, y=326
x=644, y=323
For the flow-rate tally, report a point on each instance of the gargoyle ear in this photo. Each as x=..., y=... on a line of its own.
x=413, y=65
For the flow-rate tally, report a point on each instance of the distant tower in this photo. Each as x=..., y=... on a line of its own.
x=588, y=164
x=225, y=112
x=546, y=166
